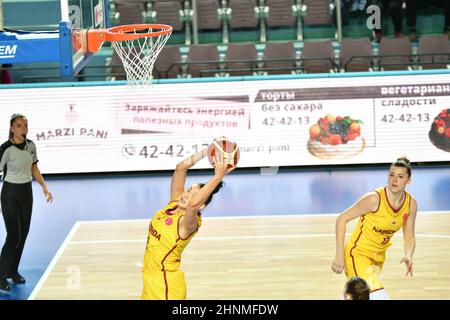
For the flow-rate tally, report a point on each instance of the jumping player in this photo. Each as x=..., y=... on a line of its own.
x=173, y=227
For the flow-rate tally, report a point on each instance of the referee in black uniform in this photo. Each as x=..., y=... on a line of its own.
x=18, y=161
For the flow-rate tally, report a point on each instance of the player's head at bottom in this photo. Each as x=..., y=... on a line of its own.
x=356, y=288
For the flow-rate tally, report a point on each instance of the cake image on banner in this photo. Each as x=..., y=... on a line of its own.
x=336, y=137
x=440, y=130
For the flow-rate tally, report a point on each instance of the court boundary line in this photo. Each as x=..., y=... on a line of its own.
x=53, y=262
x=251, y=217
x=254, y=237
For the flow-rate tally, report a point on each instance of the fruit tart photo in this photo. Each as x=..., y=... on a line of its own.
x=335, y=137
x=440, y=131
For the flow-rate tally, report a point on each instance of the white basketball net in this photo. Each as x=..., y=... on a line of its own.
x=138, y=57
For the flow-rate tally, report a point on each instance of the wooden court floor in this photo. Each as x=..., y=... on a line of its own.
x=264, y=257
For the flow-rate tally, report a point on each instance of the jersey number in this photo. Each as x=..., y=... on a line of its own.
x=386, y=240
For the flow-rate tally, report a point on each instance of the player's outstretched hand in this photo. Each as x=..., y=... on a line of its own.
x=338, y=265
x=409, y=265
x=221, y=165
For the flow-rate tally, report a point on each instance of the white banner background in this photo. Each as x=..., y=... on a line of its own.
x=108, y=128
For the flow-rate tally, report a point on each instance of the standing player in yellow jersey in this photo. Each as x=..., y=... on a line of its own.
x=172, y=228
x=382, y=212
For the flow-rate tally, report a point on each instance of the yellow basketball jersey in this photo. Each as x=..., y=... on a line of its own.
x=375, y=229
x=164, y=244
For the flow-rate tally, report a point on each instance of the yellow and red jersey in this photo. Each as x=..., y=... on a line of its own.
x=164, y=243
x=375, y=229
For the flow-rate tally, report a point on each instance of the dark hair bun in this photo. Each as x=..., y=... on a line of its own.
x=404, y=159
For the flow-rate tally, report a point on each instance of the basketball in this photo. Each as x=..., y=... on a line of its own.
x=229, y=149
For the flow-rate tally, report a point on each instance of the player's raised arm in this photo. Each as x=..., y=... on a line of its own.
x=197, y=201
x=179, y=175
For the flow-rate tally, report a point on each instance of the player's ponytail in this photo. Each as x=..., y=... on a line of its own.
x=404, y=163
x=219, y=186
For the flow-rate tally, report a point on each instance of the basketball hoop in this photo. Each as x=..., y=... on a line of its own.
x=138, y=46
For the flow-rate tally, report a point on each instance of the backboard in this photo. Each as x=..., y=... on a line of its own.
x=86, y=13
x=82, y=14
x=62, y=45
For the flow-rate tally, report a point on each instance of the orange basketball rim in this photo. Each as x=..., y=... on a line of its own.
x=94, y=38
x=137, y=45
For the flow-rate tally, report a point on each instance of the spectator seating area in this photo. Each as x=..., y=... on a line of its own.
x=309, y=56
x=224, y=21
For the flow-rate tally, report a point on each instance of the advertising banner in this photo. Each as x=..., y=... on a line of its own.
x=298, y=122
